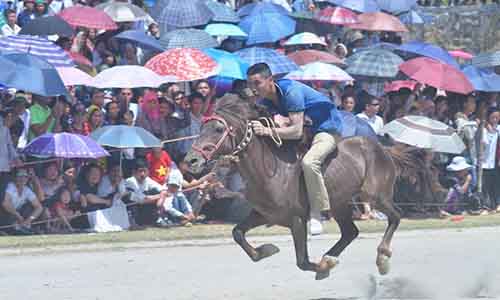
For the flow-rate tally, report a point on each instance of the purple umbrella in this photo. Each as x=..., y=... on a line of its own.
x=65, y=145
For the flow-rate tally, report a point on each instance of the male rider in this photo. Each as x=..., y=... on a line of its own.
x=295, y=100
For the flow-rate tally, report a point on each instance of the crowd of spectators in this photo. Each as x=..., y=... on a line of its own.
x=154, y=184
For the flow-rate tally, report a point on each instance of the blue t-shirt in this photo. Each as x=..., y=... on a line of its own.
x=298, y=97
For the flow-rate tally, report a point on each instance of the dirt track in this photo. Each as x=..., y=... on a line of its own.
x=426, y=264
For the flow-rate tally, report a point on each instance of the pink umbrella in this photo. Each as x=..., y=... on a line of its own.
x=461, y=54
x=79, y=59
x=378, y=21
x=185, y=64
x=337, y=16
x=304, y=57
x=437, y=74
x=74, y=76
x=89, y=17
x=395, y=86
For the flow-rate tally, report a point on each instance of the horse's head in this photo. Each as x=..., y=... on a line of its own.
x=222, y=133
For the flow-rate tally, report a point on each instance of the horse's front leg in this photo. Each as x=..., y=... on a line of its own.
x=253, y=220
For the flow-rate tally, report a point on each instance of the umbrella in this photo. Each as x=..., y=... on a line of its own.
x=222, y=12
x=188, y=38
x=267, y=27
x=129, y=77
x=395, y=86
x=232, y=66
x=337, y=16
x=381, y=45
x=278, y=62
x=89, y=17
x=396, y=7
x=355, y=126
x=79, y=59
x=304, y=38
x=140, y=37
x=429, y=50
x=49, y=25
x=378, y=21
x=486, y=60
x=37, y=46
x=485, y=80
x=461, y=54
x=363, y=6
x=223, y=29
x=304, y=57
x=186, y=64
x=261, y=7
x=123, y=136
x=74, y=76
x=181, y=14
x=374, y=63
x=318, y=71
x=303, y=14
x=412, y=18
x=64, y=145
x=123, y=11
x=423, y=132
x=437, y=74
x=30, y=73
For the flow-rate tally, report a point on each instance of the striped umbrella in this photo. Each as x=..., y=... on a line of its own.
x=88, y=17
x=222, y=12
x=267, y=27
x=187, y=38
x=182, y=14
x=278, y=63
x=37, y=46
x=486, y=60
x=374, y=63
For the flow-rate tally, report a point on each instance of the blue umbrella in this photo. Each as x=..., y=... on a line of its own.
x=485, y=60
x=278, y=63
x=429, y=50
x=187, y=38
x=485, y=80
x=413, y=17
x=232, y=66
x=222, y=12
x=123, y=136
x=223, y=29
x=140, y=37
x=267, y=27
x=37, y=46
x=396, y=6
x=364, y=6
x=261, y=7
x=30, y=73
x=64, y=145
x=181, y=14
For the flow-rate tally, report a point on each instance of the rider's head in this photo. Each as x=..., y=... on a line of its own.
x=260, y=80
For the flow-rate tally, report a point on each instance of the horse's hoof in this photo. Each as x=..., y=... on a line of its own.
x=322, y=275
x=325, y=265
x=266, y=250
x=383, y=264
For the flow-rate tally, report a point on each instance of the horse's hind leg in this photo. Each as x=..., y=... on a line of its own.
x=384, y=249
x=254, y=219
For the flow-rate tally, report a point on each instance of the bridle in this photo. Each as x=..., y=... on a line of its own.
x=228, y=131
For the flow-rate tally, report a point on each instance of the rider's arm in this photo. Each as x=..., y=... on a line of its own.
x=295, y=128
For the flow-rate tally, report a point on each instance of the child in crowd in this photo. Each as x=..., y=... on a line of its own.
x=61, y=209
x=461, y=190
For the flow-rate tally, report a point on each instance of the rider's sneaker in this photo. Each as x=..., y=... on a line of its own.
x=315, y=227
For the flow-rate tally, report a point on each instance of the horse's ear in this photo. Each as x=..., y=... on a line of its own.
x=246, y=94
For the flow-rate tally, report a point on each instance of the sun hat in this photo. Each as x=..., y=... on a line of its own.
x=458, y=164
x=175, y=178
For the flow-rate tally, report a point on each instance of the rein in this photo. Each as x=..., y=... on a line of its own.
x=208, y=150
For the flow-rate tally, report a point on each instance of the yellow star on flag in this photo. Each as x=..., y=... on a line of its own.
x=162, y=171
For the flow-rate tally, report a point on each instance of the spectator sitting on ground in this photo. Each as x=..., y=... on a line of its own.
x=460, y=192
x=62, y=210
x=21, y=205
x=175, y=206
x=160, y=164
x=89, y=200
x=50, y=183
x=112, y=186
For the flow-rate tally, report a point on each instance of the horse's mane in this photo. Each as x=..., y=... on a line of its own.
x=237, y=109
x=409, y=161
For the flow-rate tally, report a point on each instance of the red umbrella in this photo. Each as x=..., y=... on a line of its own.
x=308, y=56
x=378, y=21
x=395, y=86
x=186, y=64
x=337, y=16
x=461, y=54
x=437, y=74
x=89, y=17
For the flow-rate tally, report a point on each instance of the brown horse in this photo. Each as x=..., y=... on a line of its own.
x=276, y=190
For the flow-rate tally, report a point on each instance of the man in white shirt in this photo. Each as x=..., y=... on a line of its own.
x=372, y=106
x=11, y=27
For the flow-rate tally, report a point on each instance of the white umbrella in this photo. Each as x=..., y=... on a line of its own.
x=124, y=12
x=318, y=71
x=129, y=77
x=423, y=132
x=74, y=76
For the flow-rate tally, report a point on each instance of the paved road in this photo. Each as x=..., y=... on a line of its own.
x=426, y=264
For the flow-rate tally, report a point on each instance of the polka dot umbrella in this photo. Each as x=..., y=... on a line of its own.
x=186, y=64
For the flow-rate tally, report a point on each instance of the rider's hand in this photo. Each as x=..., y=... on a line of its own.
x=259, y=129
